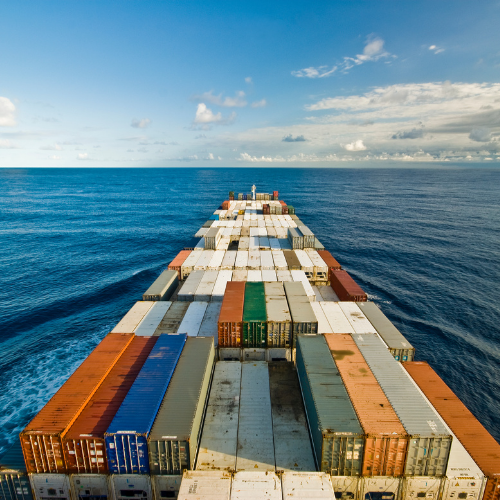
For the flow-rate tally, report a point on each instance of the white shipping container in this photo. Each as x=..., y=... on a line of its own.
x=427, y=487
x=284, y=275
x=282, y=234
x=132, y=319
x=261, y=223
x=240, y=275
x=336, y=317
x=256, y=485
x=346, y=487
x=216, y=261
x=380, y=487
x=269, y=275
x=320, y=267
x=254, y=275
x=357, y=318
x=306, y=264
x=301, y=276
x=323, y=324
x=319, y=297
x=153, y=318
x=253, y=242
x=84, y=486
x=227, y=231
x=241, y=259
x=307, y=485
x=287, y=217
x=204, y=260
x=224, y=243
x=123, y=486
x=254, y=231
x=208, y=327
x=220, y=285
x=192, y=319
x=266, y=259
x=188, y=289
x=327, y=293
x=188, y=265
x=218, y=445
x=49, y=486
x=285, y=224
x=229, y=260
x=279, y=260
x=200, y=245
x=238, y=223
x=253, y=258
x=268, y=222
x=292, y=223
x=262, y=231
x=235, y=233
x=201, y=232
x=244, y=243
x=255, y=429
x=207, y=485
x=204, y=291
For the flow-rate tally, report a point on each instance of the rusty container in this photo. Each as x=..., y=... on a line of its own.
x=292, y=260
x=176, y=264
x=230, y=323
x=345, y=287
x=386, y=439
x=225, y=205
x=480, y=444
x=330, y=261
x=84, y=448
x=41, y=440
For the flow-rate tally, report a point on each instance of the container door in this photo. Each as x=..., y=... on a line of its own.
x=462, y=488
x=51, y=486
x=15, y=487
x=345, y=488
x=422, y=487
x=166, y=486
x=90, y=486
x=131, y=487
x=380, y=488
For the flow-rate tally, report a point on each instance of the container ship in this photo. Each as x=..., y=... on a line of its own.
x=254, y=367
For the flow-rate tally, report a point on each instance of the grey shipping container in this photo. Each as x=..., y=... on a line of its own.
x=279, y=320
x=187, y=291
x=172, y=320
x=307, y=235
x=399, y=347
x=208, y=326
x=295, y=238
x=336, y=434
x=292, y=260
x=430, y=441
x=163, y=287
x=212, y=237
x=303, y=318
x=175, y=435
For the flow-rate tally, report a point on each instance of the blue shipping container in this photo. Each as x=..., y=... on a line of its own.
x=214, y=217
x=14, y=482
x=126, y=437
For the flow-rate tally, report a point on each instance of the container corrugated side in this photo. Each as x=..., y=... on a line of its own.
x=256, y=485
x=126, y=437
x=230, y=324
x=356, y=317
x=295, y=238
x=320, y=267
x=220, y=285
x=306, y=264
x=323, y=324
x=345, y=287
x=480, y=444
x=336, y=317
x=279, y=320
x=83, y=445
x=126, y=486
x=172, y=320
x=219, y=439
x=430, y=441
x=292, y=446
x=41, y=439
x=175, y=435
x=330, y=261
x=386, y=440
x=254, y=316
x=208, y=326
x=163, y=287
x=192, y=319
x=399, y=347
x=153, y=318
x=337, y=436
x=212, y=237
x=307, y=235
x=131, y=320
x=97, y=485
x=14, y=481
x=303, y=318
x=187, y=291
x=307, y=485
x=176, y=264
x=206, y=286
x=45, y=485
x=206, y=485
x=255, y=427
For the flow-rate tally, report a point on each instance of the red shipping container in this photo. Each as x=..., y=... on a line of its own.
x=265, y=209
x=386, y=439
x=41, y=440
x=330, y=261
x=176, y=264
x=225, y=205
x=480, y=444
x=230, y=323
x=275, y=195
x=345, y=287
x=83, y=445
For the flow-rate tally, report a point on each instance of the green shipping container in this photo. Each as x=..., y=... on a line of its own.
x=254, y=316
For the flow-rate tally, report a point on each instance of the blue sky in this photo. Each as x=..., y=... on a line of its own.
x=144, y=83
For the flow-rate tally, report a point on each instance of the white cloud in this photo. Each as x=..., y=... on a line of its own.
x=248, y=79
x=51, y=147
x=54, y=157
x=373, y=51
x=355, y=146
x=82, y=156
x=210, y=156
x=238, y=101
x=259, y=104
x=205, y=117
x=436, y=49
x=265, y=159
x=7, y=144
x=7, y=113
x=143, y=123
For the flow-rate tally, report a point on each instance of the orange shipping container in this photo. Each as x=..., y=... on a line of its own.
x=386, y=439
x=83, y=445
x=330, y=261
x=230, y=322
x=480, y=444
x=176, y=264
x=41, y=439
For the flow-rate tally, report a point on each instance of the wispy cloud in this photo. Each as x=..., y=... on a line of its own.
x=7, y=113
x=259, y=104
x=373, y=51
x=51, y=147
x=248, y=80
x=54, y=157
x=83, y=156
x=436, y=49
x=481, y=134
x=7, y=144
x=142, y=123
x=238, y=101
x=290, y=138
x=414, y=133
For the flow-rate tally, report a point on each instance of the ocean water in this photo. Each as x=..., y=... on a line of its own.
x=80, y=246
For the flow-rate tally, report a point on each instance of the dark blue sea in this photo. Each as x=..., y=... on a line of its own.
x=80, y=246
